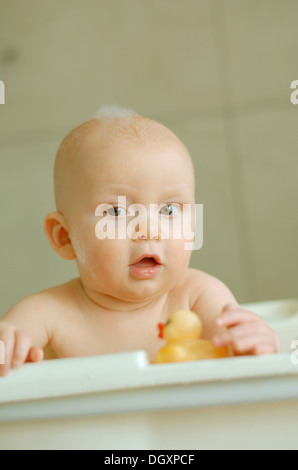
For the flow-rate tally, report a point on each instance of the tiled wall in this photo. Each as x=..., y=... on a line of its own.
x=217, y=72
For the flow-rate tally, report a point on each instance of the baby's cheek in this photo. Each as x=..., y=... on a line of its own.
x=110, y=253
x=177, y=248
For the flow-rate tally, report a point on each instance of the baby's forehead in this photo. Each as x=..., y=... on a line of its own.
x=136, y=127
x=136, y=131
x=105, y=142
x=108, y=147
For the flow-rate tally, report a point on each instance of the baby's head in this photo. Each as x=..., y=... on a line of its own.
x=121, y=154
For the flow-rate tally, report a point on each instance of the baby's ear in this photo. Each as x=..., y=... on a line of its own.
x=55, y=228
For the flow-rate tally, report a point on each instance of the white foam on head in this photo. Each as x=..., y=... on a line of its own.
x=114, y=112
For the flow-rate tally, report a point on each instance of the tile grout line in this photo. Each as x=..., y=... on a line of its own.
x=235, y=163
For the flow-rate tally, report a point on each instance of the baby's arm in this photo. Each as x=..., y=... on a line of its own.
x=229, y=324
x=24, y=331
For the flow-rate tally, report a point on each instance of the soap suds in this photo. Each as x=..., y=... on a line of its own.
x=81, y=251
x=79, y=246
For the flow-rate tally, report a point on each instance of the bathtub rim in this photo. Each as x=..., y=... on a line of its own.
x=155, y=398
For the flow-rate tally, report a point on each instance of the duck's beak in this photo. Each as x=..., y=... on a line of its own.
x=160, y=328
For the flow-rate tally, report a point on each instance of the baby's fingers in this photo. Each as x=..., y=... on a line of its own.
x=35, y=355
x=17, y=347
x=253, y=344
x=249, y=338
x=244, y=337
x=7, y=337
x=21, y=348
x=235, y=316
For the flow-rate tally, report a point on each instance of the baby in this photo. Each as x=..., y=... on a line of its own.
x=126, y=285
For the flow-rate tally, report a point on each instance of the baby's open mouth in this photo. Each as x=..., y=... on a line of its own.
x=147, y=266
x=146, y=263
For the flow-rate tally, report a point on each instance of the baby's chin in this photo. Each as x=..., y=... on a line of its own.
x=126, y=287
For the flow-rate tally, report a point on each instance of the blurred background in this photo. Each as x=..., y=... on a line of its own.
x=216, y=72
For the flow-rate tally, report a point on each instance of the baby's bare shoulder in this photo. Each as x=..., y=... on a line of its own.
x=208, y=295
x=39, y=314
x=204, y=287
x=189, y=288
x=40, y=306
x=197, y=282
x=59, y=295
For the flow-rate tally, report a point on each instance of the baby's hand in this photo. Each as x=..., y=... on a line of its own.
x=17, y=348
x=246, y=332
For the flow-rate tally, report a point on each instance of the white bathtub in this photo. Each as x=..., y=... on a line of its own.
x=120, y=401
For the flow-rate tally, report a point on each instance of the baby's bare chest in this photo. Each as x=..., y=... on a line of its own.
x=85, y=333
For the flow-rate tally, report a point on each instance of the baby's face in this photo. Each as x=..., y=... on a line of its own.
x=150, y=172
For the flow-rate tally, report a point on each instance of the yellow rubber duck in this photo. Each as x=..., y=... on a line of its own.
x=182, y=332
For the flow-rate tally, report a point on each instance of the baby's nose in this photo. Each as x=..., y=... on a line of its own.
x=149, y=231
x=145, y=237
x=148, y=227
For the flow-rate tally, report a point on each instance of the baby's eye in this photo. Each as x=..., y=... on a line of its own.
x=171, y=210
x=116, y=211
